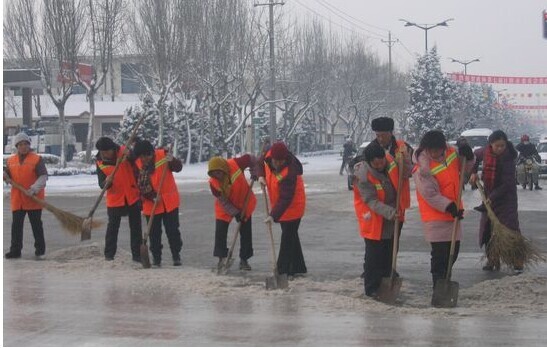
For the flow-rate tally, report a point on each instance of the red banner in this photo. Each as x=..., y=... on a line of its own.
x=525, y=107
x=498, y=79
x=84, y=70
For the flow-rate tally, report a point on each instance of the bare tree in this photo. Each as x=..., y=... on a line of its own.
x=106, y=21
x=47, y=34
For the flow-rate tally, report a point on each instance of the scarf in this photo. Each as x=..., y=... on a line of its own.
x=144, y=183
x=219, y=163
x=489, y=168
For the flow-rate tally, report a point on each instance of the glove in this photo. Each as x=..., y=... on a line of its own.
x=466, y=151
x=108, y=182
x=237, y=217
x=269, y=220
x=452, y=208
x=262, y=181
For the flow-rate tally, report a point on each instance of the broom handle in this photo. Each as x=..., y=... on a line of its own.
x=463, y=160
x=399, y=160
x=118, y=162
x=484, y=199
x=157, y=199
x=267, y=209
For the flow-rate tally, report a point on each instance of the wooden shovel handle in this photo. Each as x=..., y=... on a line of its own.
x=242, y=214
x=399, y=161
x=267, y=210
x=463, y=161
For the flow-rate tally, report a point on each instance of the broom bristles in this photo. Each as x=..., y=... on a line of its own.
x=70, y=222
x=506, y=245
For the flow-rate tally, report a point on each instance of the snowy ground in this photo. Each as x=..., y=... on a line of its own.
x=74, y=297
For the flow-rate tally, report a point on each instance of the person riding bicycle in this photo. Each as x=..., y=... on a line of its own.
x=528, y=150
x=349, y=151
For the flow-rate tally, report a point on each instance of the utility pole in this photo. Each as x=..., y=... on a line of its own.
x=273, y=121
x=390, y=44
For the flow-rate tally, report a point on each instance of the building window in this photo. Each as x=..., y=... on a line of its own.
x=130, y=82
x=110, y=129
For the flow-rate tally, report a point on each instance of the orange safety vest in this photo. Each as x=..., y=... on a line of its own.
x=24, y=174
x=169, y=199
x=124, y=186
x=447, y=174
x=273, y=180
x=371, y=228
x=239, y=190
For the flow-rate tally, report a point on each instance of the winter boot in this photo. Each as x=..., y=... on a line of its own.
x=244, y=265
x=13, y=255
x=156, y=261
x=176, y=260
x=538, y=187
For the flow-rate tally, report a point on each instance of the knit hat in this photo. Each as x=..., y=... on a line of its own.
x=382, y=124
x=433, y=140
x=143, y=147
x=19, y=138
x=219, y=163
x=374, y=150
x=279, y=151
x=105, y=143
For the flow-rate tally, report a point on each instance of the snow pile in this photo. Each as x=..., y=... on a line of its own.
x=55, y=171
x=524, y=295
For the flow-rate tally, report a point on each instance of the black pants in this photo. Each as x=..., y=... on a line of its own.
x=440, y=252
x=378, y=255
x=245, y=239
x=171, y=225
x=133, y=213
x=290, y=260
x=35, y=217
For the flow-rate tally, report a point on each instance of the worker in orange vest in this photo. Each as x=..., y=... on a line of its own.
x=27, y=169
x=230, y=187
x=375, y=192
x=122, y=196
x=281, y=172
x=437, y=177
x=150, y=163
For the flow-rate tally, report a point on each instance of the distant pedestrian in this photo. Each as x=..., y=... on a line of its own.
x=281, y=172
x=27, y=169
x=122, y=196
x=231, y=189
x=150, y=163
x=437, y=180
x=348, y=152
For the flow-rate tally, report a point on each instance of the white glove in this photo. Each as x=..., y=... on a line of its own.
x=262, y=181
x=269, y=220
x=367, y=215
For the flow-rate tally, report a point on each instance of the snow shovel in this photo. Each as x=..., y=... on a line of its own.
x=223, y=269
x=88, y=222
x=145, y=258
x=445, y=291
x=277, y=281
x=390, y=286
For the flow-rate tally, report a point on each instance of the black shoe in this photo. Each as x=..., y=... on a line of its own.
x=156, y=262
x=39, y=253
x=13, y=255
x=538, y=187
x=177, y=262
x=481, y=208
x=244, y=265
x=109, y=258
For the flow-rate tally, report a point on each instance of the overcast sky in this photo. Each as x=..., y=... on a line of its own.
x=506, y=35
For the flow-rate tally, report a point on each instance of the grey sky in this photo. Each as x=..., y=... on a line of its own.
x=506, y=35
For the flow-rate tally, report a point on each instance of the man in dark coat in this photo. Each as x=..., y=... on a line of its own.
x=527, y=150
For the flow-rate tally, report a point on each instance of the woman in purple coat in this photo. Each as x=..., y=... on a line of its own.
x=498, y=175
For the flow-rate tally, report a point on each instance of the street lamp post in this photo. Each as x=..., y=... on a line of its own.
x=465, y=63
x=426, y=27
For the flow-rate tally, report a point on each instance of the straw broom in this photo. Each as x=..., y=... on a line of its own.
x=507, y=245
x=70, y=222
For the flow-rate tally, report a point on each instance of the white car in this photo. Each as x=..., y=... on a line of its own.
x=542, y=150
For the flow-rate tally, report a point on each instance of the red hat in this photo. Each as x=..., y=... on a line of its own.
x=279, y=151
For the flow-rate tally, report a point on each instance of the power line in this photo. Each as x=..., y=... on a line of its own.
x=340, y=25
x=330, y=8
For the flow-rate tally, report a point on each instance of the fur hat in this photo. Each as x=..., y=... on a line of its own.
x=143, y=147
x=19, y=138
x=279, y=151
x=105, y=143
x=382, y=124
x=372, y=151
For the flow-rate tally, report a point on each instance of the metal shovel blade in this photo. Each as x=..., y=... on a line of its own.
x=389, y=289
x=278, y=281
x=145, y=258
x=445, y=294
x=225, y=267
